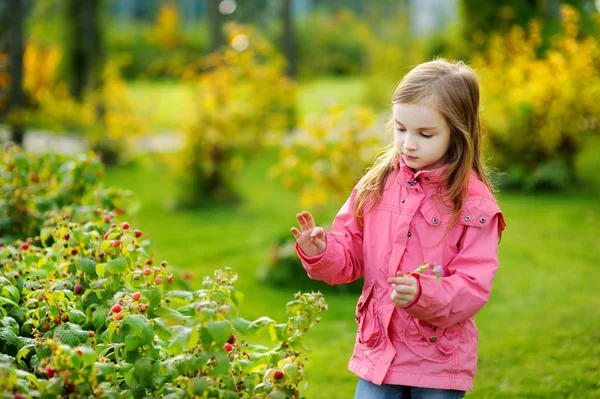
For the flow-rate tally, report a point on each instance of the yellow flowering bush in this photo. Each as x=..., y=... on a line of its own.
x=326, y=156
x=537, y=109
x=104, y=116
x=243, y=101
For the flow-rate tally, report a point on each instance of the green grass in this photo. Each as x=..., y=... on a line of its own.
x=316, y=94
x=167, y=105
x=539, y=334
x=162, y=105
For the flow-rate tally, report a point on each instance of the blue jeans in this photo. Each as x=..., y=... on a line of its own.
x=368, y=390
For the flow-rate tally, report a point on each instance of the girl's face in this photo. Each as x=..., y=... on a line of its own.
x=421, y=134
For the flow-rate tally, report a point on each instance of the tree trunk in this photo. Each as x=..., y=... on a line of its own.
x=87, y=51
x=288, y=42
x=215, y=22
x=16, y=99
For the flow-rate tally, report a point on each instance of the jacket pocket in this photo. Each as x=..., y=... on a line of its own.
x=430, y=342
x=369, y=333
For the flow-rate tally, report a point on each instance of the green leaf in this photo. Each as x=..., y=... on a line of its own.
x=77, y=317
x=89, y=355
x=68, y=337
x=181, y=335
x=161, y=328
x=11, y=292
x=136, y=322
x=117, y=266
x=88, y=266
x=25, y=351
x=220, y=331
x=153, y=295
x=142, y=370
x=45, y=233
x=170, y=316
x=100, y=269
x=99, y=317
x=132, y=342
x=106, y=368
x=242, y=325
x=34, y=362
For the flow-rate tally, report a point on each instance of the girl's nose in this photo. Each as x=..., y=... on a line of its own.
x=409, y=145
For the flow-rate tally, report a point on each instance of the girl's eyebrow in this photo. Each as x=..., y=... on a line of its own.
x=421, y=128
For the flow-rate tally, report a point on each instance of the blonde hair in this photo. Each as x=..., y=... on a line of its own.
x=454, y=90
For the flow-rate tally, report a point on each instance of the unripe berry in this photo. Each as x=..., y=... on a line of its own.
x=118, y=316
x=163, y=263
x=91, y=334
x=158, y=281
x=107, y=218
x=170, y=279
x=147, y=271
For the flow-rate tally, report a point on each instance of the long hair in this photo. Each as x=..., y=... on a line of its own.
x=454, y=90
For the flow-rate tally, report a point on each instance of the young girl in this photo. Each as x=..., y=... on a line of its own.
x=426, y=199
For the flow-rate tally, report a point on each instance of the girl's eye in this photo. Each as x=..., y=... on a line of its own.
x=398, y=128
x=426, y=136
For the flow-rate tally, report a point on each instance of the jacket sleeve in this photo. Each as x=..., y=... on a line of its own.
x=463, y=293
x=342, y=261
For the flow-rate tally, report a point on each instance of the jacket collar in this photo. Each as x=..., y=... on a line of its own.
x=406, y=174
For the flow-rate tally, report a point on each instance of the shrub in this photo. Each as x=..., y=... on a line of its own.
x=85, y=311
x=332, y=44
x=36, y=185
x=244, y=102
x=327, y=155
x=539, y=109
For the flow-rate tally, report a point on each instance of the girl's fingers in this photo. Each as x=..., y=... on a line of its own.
x=403, y=289
x=296, y=233
x=318, y=233
x=302, y=222
x=310, y=221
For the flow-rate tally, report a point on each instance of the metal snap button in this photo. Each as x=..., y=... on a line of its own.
x=435, y=220
x=433, y=339
x=467, y=218
x=482, y=220
x=409, y=234
x=403, y=201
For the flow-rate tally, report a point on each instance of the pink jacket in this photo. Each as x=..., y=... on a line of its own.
x=431, y=342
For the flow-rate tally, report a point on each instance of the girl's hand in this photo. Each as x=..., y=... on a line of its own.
x=311, y=239
x=404, y=288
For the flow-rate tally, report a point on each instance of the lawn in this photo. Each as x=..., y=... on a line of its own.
x=539, y=335
x=165, y=105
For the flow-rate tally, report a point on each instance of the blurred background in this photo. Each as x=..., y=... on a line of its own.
x=227, y=117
